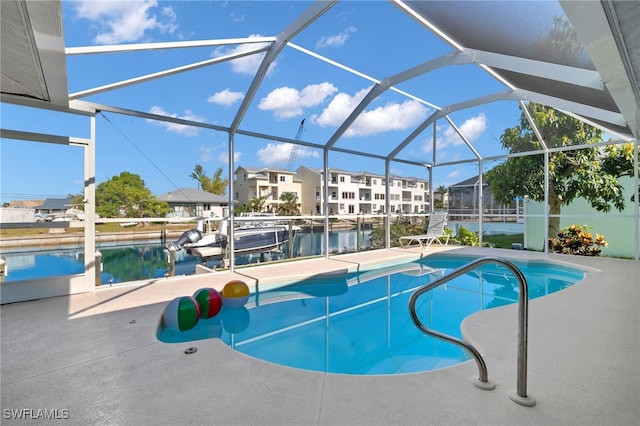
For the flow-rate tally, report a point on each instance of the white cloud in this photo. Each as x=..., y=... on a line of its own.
x=125, y=21
x=224, y=157
x=205, y=153
x=454, y=174
x=279, y=154
x=471, y=129
x=335, y=40
x=248, y=64
x=339, y=109
x=225, y=97
x=287, y=102
x=392, y=116
x=173, y=127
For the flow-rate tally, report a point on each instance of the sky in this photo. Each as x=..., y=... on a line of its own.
x=372, y=39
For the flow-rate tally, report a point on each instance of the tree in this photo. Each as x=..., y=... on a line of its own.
x=442, y=190
x=589, y=173
x=128, y=191
x=439, y=204
x=77, y=201
x=289, y=205
x=256, y=204
x=215, y=184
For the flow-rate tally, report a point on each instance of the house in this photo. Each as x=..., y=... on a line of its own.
x=463, y=200
x=269, y=183
x=361, y=192
x=53, y=206
x=192, y=202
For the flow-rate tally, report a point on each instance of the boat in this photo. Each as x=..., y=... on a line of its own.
x=254, y=236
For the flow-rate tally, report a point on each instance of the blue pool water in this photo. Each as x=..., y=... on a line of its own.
x=360, y=324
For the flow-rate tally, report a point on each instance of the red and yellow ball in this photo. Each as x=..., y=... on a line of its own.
x=235, y=294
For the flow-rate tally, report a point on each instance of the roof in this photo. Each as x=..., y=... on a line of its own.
x=472, y=181
x=262, y=170
x=193, y=195
x=25, y=204
x=55, y=204
x=580, y=57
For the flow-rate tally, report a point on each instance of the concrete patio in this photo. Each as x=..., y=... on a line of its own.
x=94, y=358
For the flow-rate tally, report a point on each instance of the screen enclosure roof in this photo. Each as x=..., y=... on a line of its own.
x=580, y=57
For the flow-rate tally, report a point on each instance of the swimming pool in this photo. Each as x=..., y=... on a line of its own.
x=360, y=323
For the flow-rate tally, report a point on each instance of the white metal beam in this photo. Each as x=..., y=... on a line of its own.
x=590, y=22
x=87, y=50
x=43, y=137
x=563, y=73
x=165, y=73
x=316, y=10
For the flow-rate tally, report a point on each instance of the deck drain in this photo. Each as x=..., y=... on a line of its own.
x=191, y=350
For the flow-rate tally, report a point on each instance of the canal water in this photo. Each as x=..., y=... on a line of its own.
x=144, y=260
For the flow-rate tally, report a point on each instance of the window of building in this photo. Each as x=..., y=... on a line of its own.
x=352, y=208
x=375, y=181
x=349, y=195
x=342, y=179
x=393, y=209
x=334, y=194
x=417, y=198
x=245, y=176
x=282, y=178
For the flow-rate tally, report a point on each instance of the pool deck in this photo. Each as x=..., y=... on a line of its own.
x=96, y=355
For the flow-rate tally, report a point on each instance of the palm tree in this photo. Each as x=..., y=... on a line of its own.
x=256, y=204
x=289, y=204
x=442, y=190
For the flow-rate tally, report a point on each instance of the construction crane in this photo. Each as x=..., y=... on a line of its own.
x=294, y=149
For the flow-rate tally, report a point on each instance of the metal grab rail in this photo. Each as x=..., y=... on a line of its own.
x=520, y=395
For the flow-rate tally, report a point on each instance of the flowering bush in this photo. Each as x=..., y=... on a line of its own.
x=575, y=239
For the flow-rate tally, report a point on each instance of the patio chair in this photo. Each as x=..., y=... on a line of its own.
x=435, y=232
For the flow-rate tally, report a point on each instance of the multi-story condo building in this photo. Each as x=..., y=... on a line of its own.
x=269, y=183
x=349, y=192
x=361, y=192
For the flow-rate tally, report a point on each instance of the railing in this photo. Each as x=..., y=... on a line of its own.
x=518, y=396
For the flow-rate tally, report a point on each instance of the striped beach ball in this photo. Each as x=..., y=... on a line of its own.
x=209, y=301
x=235, y=294
x=181, y=314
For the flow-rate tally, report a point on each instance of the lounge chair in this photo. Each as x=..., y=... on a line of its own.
x=435, y=232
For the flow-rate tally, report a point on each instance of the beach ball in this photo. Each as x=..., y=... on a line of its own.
x=181, y=314
x=209, y=301
x=235, y=294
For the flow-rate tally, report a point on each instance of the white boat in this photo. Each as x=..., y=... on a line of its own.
x=254, y=236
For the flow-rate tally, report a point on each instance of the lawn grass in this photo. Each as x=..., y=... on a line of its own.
x=503, y=240
x=103, y=228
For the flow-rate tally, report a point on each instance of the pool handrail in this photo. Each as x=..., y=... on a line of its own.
x=518, y=396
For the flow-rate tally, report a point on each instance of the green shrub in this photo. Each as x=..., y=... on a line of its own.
x=575, y=239
x=466, y=237
x=376, y=238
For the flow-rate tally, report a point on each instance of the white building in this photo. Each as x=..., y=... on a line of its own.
x=269, y=183
x=349, y=192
